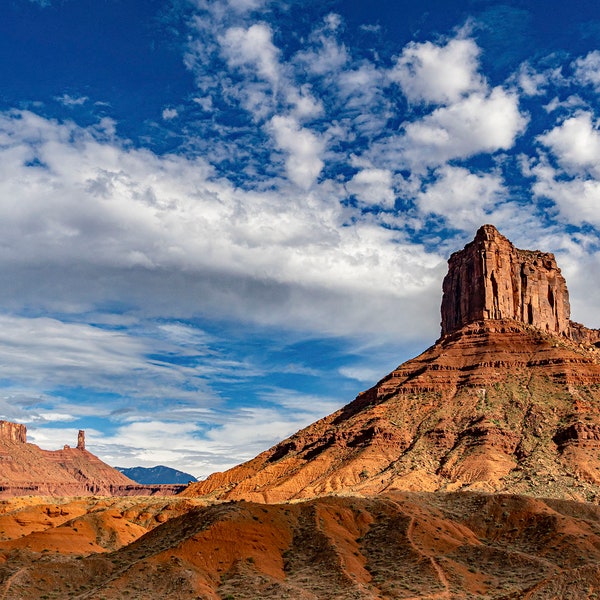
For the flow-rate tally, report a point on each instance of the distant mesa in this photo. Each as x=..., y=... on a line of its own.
x=26, y=469
x=507, y=400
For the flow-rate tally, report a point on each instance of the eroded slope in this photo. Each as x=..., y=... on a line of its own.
x=396, y=546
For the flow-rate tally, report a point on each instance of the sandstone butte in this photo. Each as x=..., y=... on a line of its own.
x=507, y=400
x=26, y=469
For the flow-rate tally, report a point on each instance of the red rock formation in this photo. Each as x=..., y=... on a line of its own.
x=491, y=279
x=25, y=469
x=81, y=440
x=582, y=335
x=13, y=432
x=507, y=400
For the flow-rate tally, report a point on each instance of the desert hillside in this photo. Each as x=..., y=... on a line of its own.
x=507, y=400
x=394, y=546
x=26, y=469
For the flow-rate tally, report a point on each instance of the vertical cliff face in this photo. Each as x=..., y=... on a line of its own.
x=491, y=279
x=13, y=432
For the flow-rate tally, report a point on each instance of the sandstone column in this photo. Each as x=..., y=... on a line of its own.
x=491, y=279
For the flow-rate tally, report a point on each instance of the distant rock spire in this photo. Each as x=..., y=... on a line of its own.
x=491, y=279
x=81, y=440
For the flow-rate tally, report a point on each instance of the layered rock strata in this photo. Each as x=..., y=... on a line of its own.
x=26, y=469
x=13, y=432
x=508, y=400
x=491, y=279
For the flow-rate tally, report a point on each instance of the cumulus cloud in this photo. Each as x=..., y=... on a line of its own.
x=373, y=187
x=587, y=69
x=436, y=74
x=572, y=182
x=303, y=148
x=577, y=200
x=576, y=144
x=463, y=198
x=476, y=124
x=252, y=47
x=169, y=114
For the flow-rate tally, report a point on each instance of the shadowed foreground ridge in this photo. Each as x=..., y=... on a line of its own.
x=395, y=546
x=507, y=400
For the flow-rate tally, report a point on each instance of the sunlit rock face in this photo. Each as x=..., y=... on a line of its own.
x=491, y=279
x=512, y=384
x=13, y=432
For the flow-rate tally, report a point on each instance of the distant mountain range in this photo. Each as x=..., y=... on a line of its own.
x=156, y=475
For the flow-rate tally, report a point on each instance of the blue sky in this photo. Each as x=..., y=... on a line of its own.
x=221, y=220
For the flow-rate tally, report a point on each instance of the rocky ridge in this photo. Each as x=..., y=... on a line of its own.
x=507, y=400
x=26, y=469
x=400, y=545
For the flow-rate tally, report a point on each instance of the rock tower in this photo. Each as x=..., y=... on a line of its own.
x=13, y=432
x=491, y=279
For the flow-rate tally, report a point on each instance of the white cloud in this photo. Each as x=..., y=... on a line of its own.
x=577, y=199
x=205, y=102
x=479, y=123
x=97, y=222
x=244, y=6
x=362, y=374
x=587, y=69
x=438, y=74
x=169, y=114
x=47, y=353
x=531, y=82
x=361, y=85
x=304, y=149
x=373, y=187
x=252, y=47
x=571, y=102
x=363, y=103
x=326, y=55
x=71, y=101
x=463, y=198
x=576, y=144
